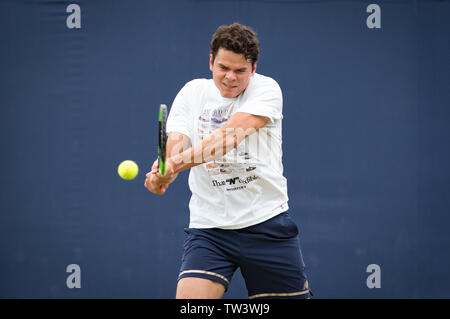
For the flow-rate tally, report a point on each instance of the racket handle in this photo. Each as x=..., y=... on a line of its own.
x=162, y=166
x=162, y=118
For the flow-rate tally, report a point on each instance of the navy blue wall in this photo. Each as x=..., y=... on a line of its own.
x=366, y=141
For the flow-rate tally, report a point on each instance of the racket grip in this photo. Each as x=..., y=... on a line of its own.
x=162, y=167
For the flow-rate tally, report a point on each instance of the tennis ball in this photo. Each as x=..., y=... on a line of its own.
x=128, y=169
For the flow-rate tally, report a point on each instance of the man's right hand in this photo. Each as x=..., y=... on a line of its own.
x=156, y=183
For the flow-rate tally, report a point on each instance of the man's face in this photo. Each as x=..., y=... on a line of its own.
x=231, y=72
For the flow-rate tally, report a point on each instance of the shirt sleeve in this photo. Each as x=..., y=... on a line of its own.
x=264, y=99
x=180, y=115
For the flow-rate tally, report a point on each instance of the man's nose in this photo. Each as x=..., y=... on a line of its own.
x=230, y=75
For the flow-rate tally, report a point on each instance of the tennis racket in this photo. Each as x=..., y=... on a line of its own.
x=162, y=140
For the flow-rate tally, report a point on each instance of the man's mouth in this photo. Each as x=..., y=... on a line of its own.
x=229, y=87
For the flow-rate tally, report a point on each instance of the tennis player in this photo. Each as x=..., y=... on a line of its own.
x=227, y=130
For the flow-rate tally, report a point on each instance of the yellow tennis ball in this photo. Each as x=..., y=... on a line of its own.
x=128, y=169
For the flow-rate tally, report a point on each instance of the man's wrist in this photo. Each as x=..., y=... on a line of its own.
x=175, y=163
x=181, y=162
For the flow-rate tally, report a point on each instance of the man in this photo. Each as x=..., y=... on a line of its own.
x=228, y=131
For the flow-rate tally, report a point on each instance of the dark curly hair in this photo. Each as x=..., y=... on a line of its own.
x=238, y=38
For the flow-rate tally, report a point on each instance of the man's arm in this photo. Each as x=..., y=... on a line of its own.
x=177, y=143
x=220, y=142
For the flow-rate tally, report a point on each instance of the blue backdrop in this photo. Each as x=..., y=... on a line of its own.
x=366, y=141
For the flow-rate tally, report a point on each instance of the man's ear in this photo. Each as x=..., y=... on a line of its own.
x=254, y=67
x=211, y=62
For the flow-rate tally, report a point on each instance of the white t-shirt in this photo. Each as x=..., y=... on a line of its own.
x=246, y=186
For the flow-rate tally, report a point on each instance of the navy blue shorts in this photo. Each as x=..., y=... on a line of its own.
x=268, y=255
